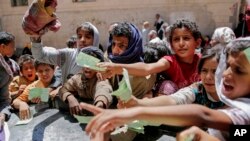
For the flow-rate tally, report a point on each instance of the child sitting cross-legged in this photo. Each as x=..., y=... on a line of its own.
x=46, y=79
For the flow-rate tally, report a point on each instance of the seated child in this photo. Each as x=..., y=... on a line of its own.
x=85, y=87
x=46, y=79
x=27, y=76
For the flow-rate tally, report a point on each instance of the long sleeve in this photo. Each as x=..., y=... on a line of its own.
x=103, y=92
x=68, y=88
x=185, y=95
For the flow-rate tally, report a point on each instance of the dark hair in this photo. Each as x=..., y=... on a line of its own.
x=6, y=38
x=191, y=26
x=86, y=26
x=154, y=51
x=25, y=58
x=71, y=42
x=93, y=51
x=122, y=29
x=208, y=54
x=38, y=63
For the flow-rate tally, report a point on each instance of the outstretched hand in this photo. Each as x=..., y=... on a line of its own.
x=111, y=69
x=107, y=120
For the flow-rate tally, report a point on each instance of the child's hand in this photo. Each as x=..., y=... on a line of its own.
x=21, y=89
x=36, y=100
x=94, y=109
x=74, y=106
x=131, y=103
x=111, y=69
x=24, y=112
x=195, y=133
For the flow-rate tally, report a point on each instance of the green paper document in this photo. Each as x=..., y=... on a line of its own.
x=88, y=61
x=124, y=91
x=42, y=93
x=247, y=53
x=83, y=119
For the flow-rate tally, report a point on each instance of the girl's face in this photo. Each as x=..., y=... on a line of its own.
x=29, y=71
x=8, y=50
x=236, y=78
x=84, y=38
x=119, y=45
x=45, y=73
x=89, y=73
x=207, y=74
x=184, y=44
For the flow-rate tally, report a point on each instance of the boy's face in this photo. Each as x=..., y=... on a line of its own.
x=29, y=71
x=207, y=74
x=9, y=49
x=236, y=78
x=184, y=44
x=45, y=73
x=89, y=73
x=84, y=38
x=119, y=45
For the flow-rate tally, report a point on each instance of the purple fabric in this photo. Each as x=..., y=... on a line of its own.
x=40, y=16
x=167, y=87
x=2, y=134
x=134, y=51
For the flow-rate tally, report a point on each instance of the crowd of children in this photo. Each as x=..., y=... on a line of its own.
x=167, y=74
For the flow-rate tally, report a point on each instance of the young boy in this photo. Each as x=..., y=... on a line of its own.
x=84, y=87
x=27, y=76
x=46, y=79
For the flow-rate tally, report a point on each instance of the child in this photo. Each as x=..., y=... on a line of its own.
x=7, y=48
x=181, y=68
x=87, y=35
x=234, y=91
x=85, y=87
x=203, y=92
x=125, y=48
x=46, y=79
x=28, y=75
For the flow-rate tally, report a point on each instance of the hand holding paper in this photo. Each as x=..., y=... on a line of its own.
x=88, y=61
x=124, y=91
x=42, y=93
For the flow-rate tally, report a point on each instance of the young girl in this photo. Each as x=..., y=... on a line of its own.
x=7, y=48
x=87, y=35
x=181, y=68
x=203, y=92
x=28, y=75
x=46, y=79
x=234, y=86
x=84, y=87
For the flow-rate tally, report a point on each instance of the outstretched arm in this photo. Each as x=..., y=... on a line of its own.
x=137, y=69
x=180, y=115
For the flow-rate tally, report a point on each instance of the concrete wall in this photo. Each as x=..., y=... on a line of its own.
x=208, y=14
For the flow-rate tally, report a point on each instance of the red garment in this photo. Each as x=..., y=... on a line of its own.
x=181, y=73
x=41, y=16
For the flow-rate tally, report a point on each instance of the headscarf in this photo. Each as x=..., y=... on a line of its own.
x=92, y=49
x=223, y=35
x=240, y=103
x=134, y=51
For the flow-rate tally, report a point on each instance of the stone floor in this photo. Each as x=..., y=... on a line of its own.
x=53, y=125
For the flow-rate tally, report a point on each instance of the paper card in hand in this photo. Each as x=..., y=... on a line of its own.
x=88, y=61
x=42, y=93
x=83, y=119
x=124, y=91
